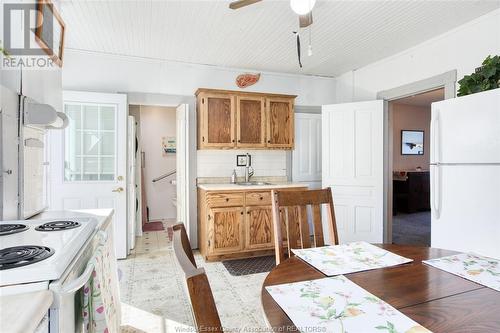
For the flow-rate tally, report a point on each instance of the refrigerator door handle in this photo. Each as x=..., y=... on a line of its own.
x=435, y=142
x=436, y=190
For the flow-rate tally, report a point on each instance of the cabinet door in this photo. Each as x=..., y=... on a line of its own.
x=218, y=121
x=280, y=128
x=225, y=230
x=259, y=228
x=250, y=121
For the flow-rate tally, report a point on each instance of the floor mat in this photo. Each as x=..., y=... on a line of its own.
x=153, y=226
x=248, y=266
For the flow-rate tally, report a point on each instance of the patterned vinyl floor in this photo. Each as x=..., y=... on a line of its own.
x=153, y=291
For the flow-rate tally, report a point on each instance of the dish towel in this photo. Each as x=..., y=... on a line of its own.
x=101, y=299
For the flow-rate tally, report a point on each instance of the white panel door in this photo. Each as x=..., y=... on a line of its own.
x=306, y=158
x=353, y=167
x=182, y=166
x=89, y=158
x=131, y=190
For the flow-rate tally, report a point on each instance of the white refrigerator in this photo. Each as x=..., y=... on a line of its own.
x=465, y=174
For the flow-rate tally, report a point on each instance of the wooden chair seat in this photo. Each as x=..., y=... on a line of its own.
x=200, y=294
x=290, y=219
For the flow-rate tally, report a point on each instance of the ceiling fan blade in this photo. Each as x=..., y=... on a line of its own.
x=305, y=20
x=242, y=3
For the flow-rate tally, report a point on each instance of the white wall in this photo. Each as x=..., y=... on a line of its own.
x=110, y=73
x=157, y=122
x=463, y=49
x=221, y=163
x=410, y=117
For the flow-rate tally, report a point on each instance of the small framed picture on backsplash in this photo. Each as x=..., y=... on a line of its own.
x=241, y=160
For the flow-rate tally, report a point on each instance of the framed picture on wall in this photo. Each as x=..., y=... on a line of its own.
x=412, y=142
x=50, y=29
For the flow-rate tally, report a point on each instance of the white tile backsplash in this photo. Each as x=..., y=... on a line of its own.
x=220, y=163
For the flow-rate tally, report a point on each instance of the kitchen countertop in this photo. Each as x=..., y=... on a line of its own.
x=21, y=313
x=236, y=187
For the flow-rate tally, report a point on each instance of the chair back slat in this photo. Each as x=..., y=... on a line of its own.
x=184, y=241
x=305, y=235
x=290, y=219
x=318, y=226
x=203, y=304
x=279, y=229
x=198, y=288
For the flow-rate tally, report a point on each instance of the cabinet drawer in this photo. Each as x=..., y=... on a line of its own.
x=224, y=199
x=258, y=198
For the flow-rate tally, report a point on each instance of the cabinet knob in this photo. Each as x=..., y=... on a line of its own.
x=268, y=141
x=241, y=213
x=239, y=140
x=261, y=198
x=232, y=140
x=227, y=199
x=248, y=212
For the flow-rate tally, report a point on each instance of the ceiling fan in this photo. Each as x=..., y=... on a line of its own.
x=303, y=8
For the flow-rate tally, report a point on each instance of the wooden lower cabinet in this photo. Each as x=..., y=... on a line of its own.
x=225, y=227
x=235, y=224
x=259, y=227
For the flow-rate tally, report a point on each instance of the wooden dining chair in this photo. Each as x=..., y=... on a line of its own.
x=290, y=220
x=200, y=294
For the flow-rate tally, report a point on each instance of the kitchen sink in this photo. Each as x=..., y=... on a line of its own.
x=253, y=183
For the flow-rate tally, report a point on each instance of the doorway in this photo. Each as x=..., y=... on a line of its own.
x=154, y=166
x=410, y=119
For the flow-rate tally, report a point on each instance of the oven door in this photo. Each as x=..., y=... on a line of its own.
x=65, y=313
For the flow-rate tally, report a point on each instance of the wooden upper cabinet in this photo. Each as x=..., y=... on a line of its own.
x=250, y=121
x=236, y=119
x=218, y=120
x=280, y=122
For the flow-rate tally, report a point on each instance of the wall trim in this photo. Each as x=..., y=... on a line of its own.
x=447, y=80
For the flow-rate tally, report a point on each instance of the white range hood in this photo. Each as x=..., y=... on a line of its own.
x=42, y=115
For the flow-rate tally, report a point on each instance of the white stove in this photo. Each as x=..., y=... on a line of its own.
x=40, y=250
x=54, y=254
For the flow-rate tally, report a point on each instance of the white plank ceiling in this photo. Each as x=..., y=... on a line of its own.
x=345, y=35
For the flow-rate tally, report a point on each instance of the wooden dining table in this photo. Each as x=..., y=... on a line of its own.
x=437, y=300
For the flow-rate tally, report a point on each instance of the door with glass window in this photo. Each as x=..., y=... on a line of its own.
x=88, y=159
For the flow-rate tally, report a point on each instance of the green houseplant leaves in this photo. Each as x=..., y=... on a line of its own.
x=486, y=77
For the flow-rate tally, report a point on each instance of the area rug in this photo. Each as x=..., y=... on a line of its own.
x=153, y=226
x=248, y=266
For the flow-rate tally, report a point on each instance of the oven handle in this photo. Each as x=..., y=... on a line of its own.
x=75, y=285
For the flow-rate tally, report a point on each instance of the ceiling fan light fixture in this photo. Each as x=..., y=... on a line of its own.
x=302, y=7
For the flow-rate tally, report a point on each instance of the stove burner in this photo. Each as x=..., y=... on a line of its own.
x=18, y=256
x=57, y=226
x=9, y=229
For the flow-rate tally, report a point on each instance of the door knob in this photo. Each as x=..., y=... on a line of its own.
x=118, y=189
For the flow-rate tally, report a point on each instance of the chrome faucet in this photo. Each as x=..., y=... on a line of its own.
x=248, y=173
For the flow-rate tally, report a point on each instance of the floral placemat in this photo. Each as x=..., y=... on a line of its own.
x=336, y=304
x=473, y=267
x=349, y=258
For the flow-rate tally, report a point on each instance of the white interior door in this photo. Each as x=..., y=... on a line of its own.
x=353, y=140
x=306, y=158
x=89, y=158
x=131, y=190
x=182, y=166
